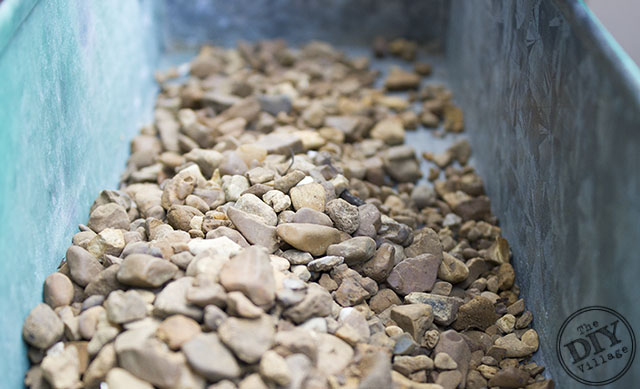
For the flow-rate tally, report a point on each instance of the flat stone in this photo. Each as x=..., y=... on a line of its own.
x=123, y=307
x=355, y=250
x=444, y=362
x=275, y=104
x=311, y=216
x=239, y=305
x=260, y=175
x=345, y=216
x=205, y=291
x=249, y=339
x=145, y=271
x=210, y=358
x=254, y=230
x=308, y=196
x=309, y=237
x=445, y=308
x=250, y=272
x=325, y=263
x=42, y=327
x=105, y=282
x=252, y=205
x=413, y=318
x=82, y=265
x=416, y=274
x=58, y=290
x=109, y=215
x=379, y=267
x=317, y=302
x=176, y=330
x=478, y=313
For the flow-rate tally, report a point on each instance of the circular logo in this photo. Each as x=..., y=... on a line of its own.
x=596, y=345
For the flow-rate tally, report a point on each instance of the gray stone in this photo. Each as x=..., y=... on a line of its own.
x=208, y=357
x=355, y=250
x=123, y=307
x=416, y=274
x=173, y=300
x=316, y=303
x=249, y=339
x=110, y=215
x=308, y=215
x=297, y=257
x=252, y=205
x=83, y=266
x=445, y=308
x=370, y=222
x=345, y=216
x=250, y=272
x=42, y=327
x=379, y=267
x=277, y=200
x=145, y=271
x=254, y=230
x=325, y=263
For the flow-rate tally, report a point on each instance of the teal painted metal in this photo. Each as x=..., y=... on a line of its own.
x=75, y=84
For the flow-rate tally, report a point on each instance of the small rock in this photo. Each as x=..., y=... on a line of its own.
x=389, y=130
x=252, y=205
x=506, y=276
x=208, y=357
x=416, y=274
x=309, y=237
x=384, y=299
x=249, y=339
x=120, y=378
x=42, y=327
x=213, y=317
x=274, y=368
x=308, y=196
x=405, y=345
x=380, y=266
x=234, y=186
x=355, y=250
x=454, y=345
x=449, y=379
x=425, y=241
x=376, y=369
x=345, y=216
x=83, y=266
x=123, y=307
x=232, y=234
x=172, y=300
x=277, y=200
x=445, y=308
x=61, y=369
x=308, y=215
x=510, y=377
x=145, y=271
x=58, y=290
x=288, y=181
x=445, y=362
x=250, y=272
x=239, y=305
x=409, y=364
x=479, y=313
x=516, y=348
x=179, y=216
x=413, y=318
x=280, y=144
x=334, y=355
x=254, y=230
x=100, y=366
x=506, y=323
x=109, y=215
x=398, y=79
x=452, y=269
x=176, y=330
x=325, y=263
x=369, y=221
x=316, y=303
x=252, y=381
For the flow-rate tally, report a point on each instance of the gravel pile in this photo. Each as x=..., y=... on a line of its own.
x=270, y=231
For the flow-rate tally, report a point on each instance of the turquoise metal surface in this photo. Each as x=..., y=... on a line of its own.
x=75, y=84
